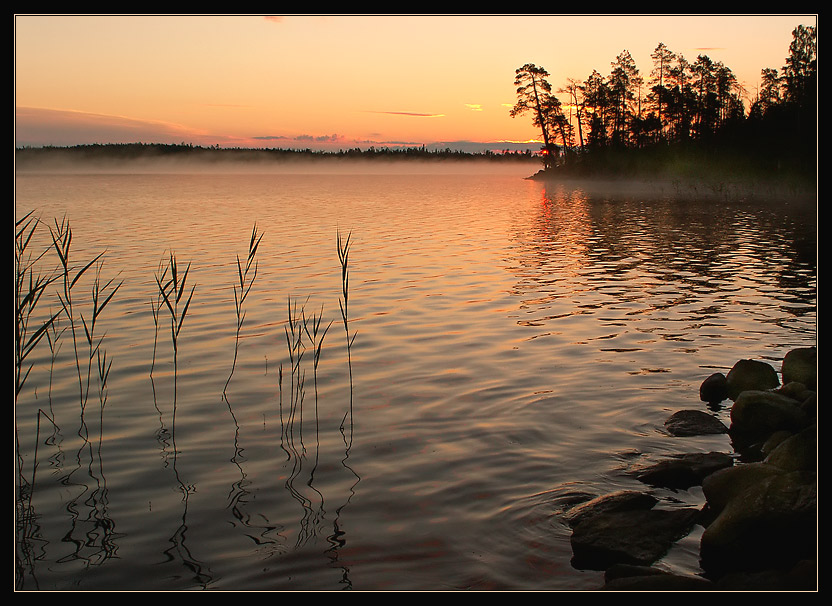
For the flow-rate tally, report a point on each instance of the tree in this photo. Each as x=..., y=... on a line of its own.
x=574, y=89
x=534, y=94
x=660, y=79
x=596, y=106
x=800, y=71
x=623, y=82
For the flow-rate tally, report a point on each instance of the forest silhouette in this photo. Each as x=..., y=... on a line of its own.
x=683, y=119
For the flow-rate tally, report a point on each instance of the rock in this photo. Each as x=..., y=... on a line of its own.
x=797, y=452
x=810, y=405
x=623, y=500
x=631, y=537
x=801, y=365
x=624, y=577
x=769, y=524
x=714, y=389
x=722, y=486
x=796, y=391
x=774, y=441
x=800, y=577
x=694, y=423
x=684, y=471
x=761, y=413
x=751, y=375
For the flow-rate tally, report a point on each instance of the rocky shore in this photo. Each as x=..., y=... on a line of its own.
x=760, y=514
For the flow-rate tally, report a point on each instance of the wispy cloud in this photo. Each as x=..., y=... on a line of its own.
x=414, y=114
x=474, y=107
x=44, y=126
x=334, y=138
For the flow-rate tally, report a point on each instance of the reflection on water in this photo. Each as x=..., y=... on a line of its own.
x=502, y=347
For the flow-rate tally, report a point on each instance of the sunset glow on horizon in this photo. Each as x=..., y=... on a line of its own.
x=338, y=82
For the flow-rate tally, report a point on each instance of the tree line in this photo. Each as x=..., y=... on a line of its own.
x=189, y=151
x=698, y=105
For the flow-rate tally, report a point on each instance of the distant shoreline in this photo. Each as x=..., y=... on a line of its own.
x=113, y=153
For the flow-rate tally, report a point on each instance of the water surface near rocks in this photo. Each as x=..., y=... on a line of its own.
x=516, y=343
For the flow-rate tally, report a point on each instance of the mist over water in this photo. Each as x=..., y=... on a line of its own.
x=515, y=343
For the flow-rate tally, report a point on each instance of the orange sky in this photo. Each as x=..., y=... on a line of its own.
x=330, y=82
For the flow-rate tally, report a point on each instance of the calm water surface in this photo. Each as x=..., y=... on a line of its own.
x=515, y=345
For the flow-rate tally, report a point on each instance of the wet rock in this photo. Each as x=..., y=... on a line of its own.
x=797, y=452
x=774, y=441
x=684, y=471
x=623, y=500
x=714, y=389
x=751, y=375
x=800, y=577
x=624, y=577
x=796, y=391
x=632, y=537
x=722, y=486
x=800, y=365
x=694, y=423
x=767, y=523
x=761, y=413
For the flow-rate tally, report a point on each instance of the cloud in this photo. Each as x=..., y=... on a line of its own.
x=41, y=126
x=474, y=107
x=414, y=114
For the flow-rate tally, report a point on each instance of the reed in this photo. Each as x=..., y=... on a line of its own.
x=246, y=279
x=70, y=275
x=344, y=257
x=30, y=285
x=172, y=285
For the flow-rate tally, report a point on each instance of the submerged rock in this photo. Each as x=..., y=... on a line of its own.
x=684, y=471
x=624, y=577
x=694, y=423
x=623, y=500
x=632, y=537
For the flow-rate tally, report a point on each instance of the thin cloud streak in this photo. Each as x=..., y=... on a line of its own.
x=414, y=114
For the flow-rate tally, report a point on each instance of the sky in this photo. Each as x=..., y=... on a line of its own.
x=329, y=82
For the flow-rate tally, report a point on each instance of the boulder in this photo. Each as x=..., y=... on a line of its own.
x=801, y=365
x=632, y=537
x=684, y=471
x=622, y=500
x=761, y=413
x=714, y=389
x=694, y=423
x=797, y=452
x=751, y=375
x=767, y=524
x=725, y=485
x=624, y=577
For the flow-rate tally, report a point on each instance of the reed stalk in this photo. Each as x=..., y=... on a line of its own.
x=343, y=257
x=172, y=287
x=246, y=279
x=30, y=286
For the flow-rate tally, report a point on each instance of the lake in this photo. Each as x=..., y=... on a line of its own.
x=509, y=345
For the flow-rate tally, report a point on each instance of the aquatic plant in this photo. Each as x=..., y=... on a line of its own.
x=246, y=281
x=343, y=257
x=29, y=285
x=172, y=287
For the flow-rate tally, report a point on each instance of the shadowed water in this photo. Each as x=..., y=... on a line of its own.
x=515, y=344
